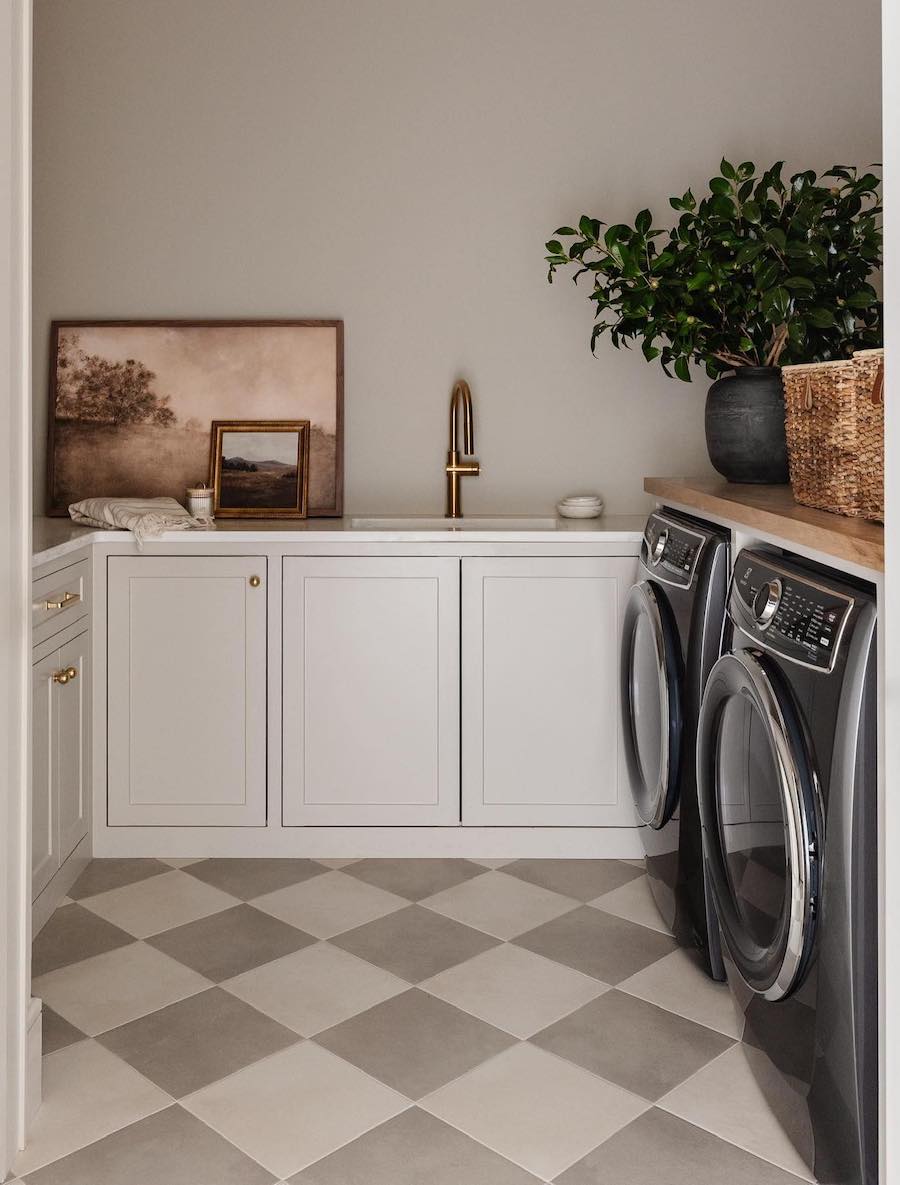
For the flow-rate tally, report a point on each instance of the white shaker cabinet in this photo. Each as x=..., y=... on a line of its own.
x=540, y=691
x=60, y=721
x=370, y=728
x=186, y=690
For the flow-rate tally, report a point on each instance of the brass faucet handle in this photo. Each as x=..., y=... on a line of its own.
x=464, y=468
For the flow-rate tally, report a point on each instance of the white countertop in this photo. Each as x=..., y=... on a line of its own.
x=53, y=538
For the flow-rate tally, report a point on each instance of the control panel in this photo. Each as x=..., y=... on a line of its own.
x=671, y=550
x=787, y=612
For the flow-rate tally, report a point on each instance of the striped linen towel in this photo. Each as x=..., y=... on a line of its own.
x=144, y=517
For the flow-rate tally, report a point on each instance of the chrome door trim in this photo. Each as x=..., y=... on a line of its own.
x=643, y=599
x=802, y=831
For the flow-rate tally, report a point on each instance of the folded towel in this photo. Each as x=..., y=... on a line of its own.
x=144, y=517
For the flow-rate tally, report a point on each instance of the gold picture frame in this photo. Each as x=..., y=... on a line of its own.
x=255, y=477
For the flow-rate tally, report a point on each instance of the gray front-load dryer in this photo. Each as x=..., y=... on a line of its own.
x=787, y=778
x=671, y=637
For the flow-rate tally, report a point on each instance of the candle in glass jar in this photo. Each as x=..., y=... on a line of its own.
x=200, y=502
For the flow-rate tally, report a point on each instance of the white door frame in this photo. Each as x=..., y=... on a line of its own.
x=15, y=562
x=890, y=616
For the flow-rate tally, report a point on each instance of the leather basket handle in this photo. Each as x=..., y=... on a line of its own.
x=878, y=387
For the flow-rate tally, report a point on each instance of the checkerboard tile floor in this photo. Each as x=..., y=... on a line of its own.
x=386, y=1022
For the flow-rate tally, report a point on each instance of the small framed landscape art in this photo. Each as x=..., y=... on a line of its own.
x=259, y=468
x=132, y=403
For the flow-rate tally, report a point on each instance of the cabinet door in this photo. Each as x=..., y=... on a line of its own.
x=187, y=691
x=540, y=691
x=73, y=722
x=371, y=691
x=44, y=828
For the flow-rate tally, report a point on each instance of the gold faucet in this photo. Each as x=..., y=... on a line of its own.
x=460, y=396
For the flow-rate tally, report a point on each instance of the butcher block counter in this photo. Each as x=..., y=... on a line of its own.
x=771, y=512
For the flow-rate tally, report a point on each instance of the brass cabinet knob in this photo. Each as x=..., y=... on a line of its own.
x=255, y=582
x=60, y=677
x=71, y=672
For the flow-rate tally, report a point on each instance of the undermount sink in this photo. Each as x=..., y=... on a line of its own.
x=470, y=522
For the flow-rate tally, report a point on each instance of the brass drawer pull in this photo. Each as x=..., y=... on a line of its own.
x=68, y=598
x=255, y=582
x=65, y=676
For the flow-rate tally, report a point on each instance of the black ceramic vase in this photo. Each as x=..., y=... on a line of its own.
x=745, y=426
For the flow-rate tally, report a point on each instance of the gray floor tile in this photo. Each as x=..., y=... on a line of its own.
x=188, y=1045
x=415, y=1042
x=414, y=1149
x=73, y=933
x=632, y=1043
x=101, y=875
x=251, y=878
x=598, y=944
x=415, y=943
x=56, y=1032
x=414, y=879
x=660, y=1149
x=170, y=1146
x=582, y=879
x=231, y=942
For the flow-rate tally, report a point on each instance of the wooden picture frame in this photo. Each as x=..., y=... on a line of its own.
x=185, y=375
x=257, y=480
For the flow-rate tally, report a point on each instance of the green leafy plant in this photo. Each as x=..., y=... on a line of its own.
x=757, y=273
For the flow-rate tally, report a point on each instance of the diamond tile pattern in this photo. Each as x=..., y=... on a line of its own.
x=386, y=1022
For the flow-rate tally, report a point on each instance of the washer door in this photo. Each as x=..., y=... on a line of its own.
x=652, y=679
x=761, y=811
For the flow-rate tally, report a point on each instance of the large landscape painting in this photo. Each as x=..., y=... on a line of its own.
x=132, y=403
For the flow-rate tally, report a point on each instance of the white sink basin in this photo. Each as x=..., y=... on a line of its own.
x=471, y=522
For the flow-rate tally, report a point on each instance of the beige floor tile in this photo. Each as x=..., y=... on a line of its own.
x=678, y=983
x=339, y=862
x=102, y=875
x=180, y=861
x=493, y=863
x=88, y=1093
x=230, y=942
x=500, y=905
x=74, y=933
x=251, y=877
x=56, y=1033
x=168, y=1148
x=726, y=1099
x=159, y=903
x=295, y=1107
x=110, y=989
x=514, y=989
x=633, y=901
x=330, y=904
x=315, y=988
x=415, y=943
x=540, y=1112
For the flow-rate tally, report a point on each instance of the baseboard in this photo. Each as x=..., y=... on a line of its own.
x=597, y=843
x=52, y=894
x=34, y=1038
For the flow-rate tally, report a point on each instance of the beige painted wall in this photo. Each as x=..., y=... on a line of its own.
x=400, y=165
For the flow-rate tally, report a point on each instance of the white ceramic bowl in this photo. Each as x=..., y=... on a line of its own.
x=582, y=510
x=583, y=500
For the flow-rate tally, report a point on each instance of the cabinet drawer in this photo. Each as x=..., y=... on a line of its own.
x=60, y=599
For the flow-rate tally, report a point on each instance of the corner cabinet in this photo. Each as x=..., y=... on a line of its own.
x=186, y=690
x=60, y=685
x=540, y=691
x=370, y=720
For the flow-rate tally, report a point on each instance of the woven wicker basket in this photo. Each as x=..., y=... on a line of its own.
x=834, y=416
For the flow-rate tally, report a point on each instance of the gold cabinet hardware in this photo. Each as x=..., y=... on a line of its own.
x=65, y=676
x=460, y=401
x=66, y=599
x=255, y=582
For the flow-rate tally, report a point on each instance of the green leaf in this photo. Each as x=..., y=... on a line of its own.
x=565, y=230
x=776, y=236
x=699, y=280
x=751, y=211
x=643, y=222
x=554, y=247
x=649, y=351
x=749, y=252
x=820, y=318
x=860, y=300
x=586, y=226
x=720, y=185
x=727, y=170
x=681, y=368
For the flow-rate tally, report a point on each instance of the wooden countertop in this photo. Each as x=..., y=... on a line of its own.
x=771, y=510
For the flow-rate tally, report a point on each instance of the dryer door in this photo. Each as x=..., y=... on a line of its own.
x=761, y=811
x=651, y=695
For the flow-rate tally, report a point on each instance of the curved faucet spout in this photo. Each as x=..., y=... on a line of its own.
x=461, y=396
x=460, y=399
